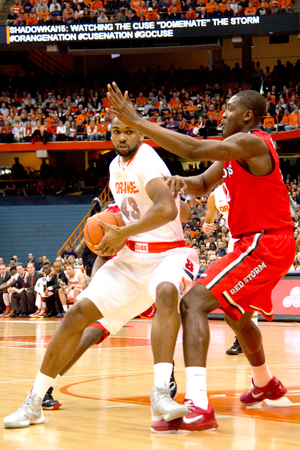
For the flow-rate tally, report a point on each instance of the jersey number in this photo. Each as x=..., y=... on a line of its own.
x=189, y=265
x=129, y=202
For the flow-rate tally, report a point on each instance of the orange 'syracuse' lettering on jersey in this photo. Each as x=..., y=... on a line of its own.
x=126, y=187
x=256, y=202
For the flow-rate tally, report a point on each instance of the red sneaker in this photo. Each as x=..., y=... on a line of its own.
x=272, y=391
x=164, y=427
x=197, y=419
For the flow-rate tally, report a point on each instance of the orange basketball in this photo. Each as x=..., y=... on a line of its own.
x=93, y=232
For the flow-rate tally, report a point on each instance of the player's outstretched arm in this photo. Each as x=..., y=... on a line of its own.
x=236, y=147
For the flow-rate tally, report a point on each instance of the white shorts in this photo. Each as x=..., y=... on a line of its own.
x=70, y=295
x=126, y=285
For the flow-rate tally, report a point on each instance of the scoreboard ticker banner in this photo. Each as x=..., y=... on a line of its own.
x=141, y=31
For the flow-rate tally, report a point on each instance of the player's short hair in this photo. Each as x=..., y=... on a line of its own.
x=254, y=101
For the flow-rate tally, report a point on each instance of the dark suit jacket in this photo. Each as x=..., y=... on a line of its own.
x=36, y=276
x=4, y=279
x=55, y=279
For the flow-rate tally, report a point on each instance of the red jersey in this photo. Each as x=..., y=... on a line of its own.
x=256, y=203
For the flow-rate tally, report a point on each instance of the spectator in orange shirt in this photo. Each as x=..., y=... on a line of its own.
x=191, y=14
x=103, y=129
x=174, y=3
x=294, y=120
x=142, y=10
x=211, y=7
x=285, y=119
x=68, y=14
x=17, y=7
x=222, y=5
x=251, y=10
x=152, y=15
x=106, y=103
x=43, y=15
x=97, y=4
x=141, y=100
x=135, y=4
x=286, y=6
x=268, y=123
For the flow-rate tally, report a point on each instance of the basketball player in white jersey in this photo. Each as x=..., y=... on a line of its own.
x=155, y=266
x=76, y=282
x=217, y=201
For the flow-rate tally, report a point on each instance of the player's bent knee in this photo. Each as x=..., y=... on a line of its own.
x=166, y=296
x=82, y=314
x=198, y=300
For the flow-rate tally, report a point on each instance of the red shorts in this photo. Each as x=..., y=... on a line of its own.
x=243, y=280
x=98, y=325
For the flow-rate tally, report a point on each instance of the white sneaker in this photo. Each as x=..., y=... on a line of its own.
x=30, y=413
x=163, y=407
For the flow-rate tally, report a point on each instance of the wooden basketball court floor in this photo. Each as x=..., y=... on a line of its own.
x=105, y=396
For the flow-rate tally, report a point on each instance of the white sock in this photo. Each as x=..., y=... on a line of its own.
x=261, y=375
x=162, y=374
x=42, y=384
x=55, y=380
x=255, y=318
x=44, y=305
x=65, y=307
x=6, y=300
x=196, y=386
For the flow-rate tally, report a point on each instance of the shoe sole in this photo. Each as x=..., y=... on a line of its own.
x=52, y=408
x=24, y=423
x=210, y=425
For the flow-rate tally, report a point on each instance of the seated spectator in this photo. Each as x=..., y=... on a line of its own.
x=6, y=134
x=152, y=15
x=217, y=13
x=268, y=123
x=96, y=4
x=103, y=129
x=203, y=14
x=294, y=120
x=172, y=124
x=174, y=15
x=16, y=289
x=275, y=8
x=131, y=16
x=241, y=11
x=76, y=283
x=68, y=14
x=61, y=131
x=40, y=133
x=68, y=252
x=18, y=131
x=29, y=295
x=250, y=10
x=285, y=119
x=91, y=131
x=211, y=126
x=11, y=17
x=211, y=7
x=43, y=15
x=228, y=11
x=191, y=14
x=263, y=10
x=80, y=131
x=57, y=276
x=286, y=6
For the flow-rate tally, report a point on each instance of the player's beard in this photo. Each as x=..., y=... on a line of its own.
x=130, y=152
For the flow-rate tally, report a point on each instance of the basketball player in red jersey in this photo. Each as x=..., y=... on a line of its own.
x=242, y=281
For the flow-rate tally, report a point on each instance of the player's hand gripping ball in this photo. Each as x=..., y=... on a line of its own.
x=94, y=232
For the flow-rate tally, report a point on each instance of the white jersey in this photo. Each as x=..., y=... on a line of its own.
x=221, y=201
x=128, y=185
x=74, y=279
x=222, y=205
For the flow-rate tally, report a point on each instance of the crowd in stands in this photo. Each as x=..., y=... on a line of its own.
x=36, y=12
x=23, y=294
x=194, y=108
